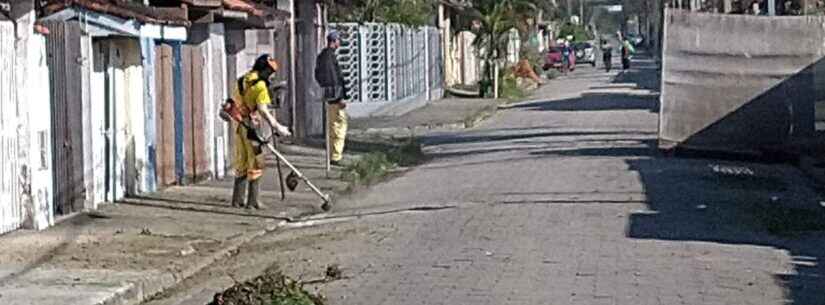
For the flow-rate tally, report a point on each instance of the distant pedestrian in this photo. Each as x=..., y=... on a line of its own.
x=566, y=51
x=607, y=55
x=627, y=51
x=330, y=77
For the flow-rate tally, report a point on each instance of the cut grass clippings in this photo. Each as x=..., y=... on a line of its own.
x=472, y=120
x=510, y=89
x=552, y=74
x=271, y=288
x=374, y=166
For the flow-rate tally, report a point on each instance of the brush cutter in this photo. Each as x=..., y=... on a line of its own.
x=230, y=113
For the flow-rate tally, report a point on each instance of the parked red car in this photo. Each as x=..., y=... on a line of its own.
x=553, y=59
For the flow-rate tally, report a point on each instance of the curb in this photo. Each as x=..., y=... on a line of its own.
x=143, y=290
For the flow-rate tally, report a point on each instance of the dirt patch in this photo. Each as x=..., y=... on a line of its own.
x=271, y=288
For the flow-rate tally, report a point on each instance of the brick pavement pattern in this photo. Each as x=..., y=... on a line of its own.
x=564, y=200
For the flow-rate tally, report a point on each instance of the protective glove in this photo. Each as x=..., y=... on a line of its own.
x=282, y=130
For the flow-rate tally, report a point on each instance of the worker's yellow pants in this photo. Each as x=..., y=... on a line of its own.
x=337, y=133
x=247, y=162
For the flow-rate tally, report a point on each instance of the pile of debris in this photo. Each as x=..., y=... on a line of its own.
x=271, y=288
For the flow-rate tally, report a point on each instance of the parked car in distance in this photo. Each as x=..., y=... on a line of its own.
x=585, y=53
x=553, y=59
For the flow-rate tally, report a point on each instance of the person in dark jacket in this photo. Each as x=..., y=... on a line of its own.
x=607, y=55
x=330, y=77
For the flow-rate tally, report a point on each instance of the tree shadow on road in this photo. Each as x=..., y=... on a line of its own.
x=503, y=135
x=642, y=151
x=598, y=102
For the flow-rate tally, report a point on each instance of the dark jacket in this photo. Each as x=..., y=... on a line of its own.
x=328, y=73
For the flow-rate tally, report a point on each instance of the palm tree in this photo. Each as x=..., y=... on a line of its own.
x=494, y=21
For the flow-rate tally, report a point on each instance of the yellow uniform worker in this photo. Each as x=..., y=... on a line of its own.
x=248, y=163
x=251, y=97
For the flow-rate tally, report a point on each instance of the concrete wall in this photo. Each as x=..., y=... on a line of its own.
x=740, y=83
x=462, y=65
x=35, y=94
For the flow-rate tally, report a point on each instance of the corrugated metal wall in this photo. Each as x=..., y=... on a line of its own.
x=281, y=54
x=128, y=146
x=187, y=115
x=25, y=123
x=98, y=134
x=37, y=90
x=186, y=102
x=740, y=83
x=165, y=131
x=65, y=65
x=196, y=156
x=11, y=209
x=147, y=49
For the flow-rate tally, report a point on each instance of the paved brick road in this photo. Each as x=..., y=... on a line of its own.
x=565, y=201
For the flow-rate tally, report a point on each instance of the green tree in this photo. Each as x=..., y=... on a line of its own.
x=494, y=21
x=408, y=12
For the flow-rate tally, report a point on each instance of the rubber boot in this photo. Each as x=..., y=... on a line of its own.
x=254, y=188
x=238, y=192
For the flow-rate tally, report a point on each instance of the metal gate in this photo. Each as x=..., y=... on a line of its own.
x=11, y=209
x=65, y=68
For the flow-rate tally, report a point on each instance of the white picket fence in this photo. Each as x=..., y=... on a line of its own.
x=390, y=62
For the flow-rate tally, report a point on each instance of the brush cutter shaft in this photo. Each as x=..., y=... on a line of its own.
x=300, y=175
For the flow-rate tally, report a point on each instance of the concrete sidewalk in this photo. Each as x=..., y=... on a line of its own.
x=125, y=253
x=445, y=114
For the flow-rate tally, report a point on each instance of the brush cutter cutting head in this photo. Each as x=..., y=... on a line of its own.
x=292, y=181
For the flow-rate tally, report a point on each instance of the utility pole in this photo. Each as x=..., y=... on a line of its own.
x=581, y=11
x=569, y=9
x=309, y=111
